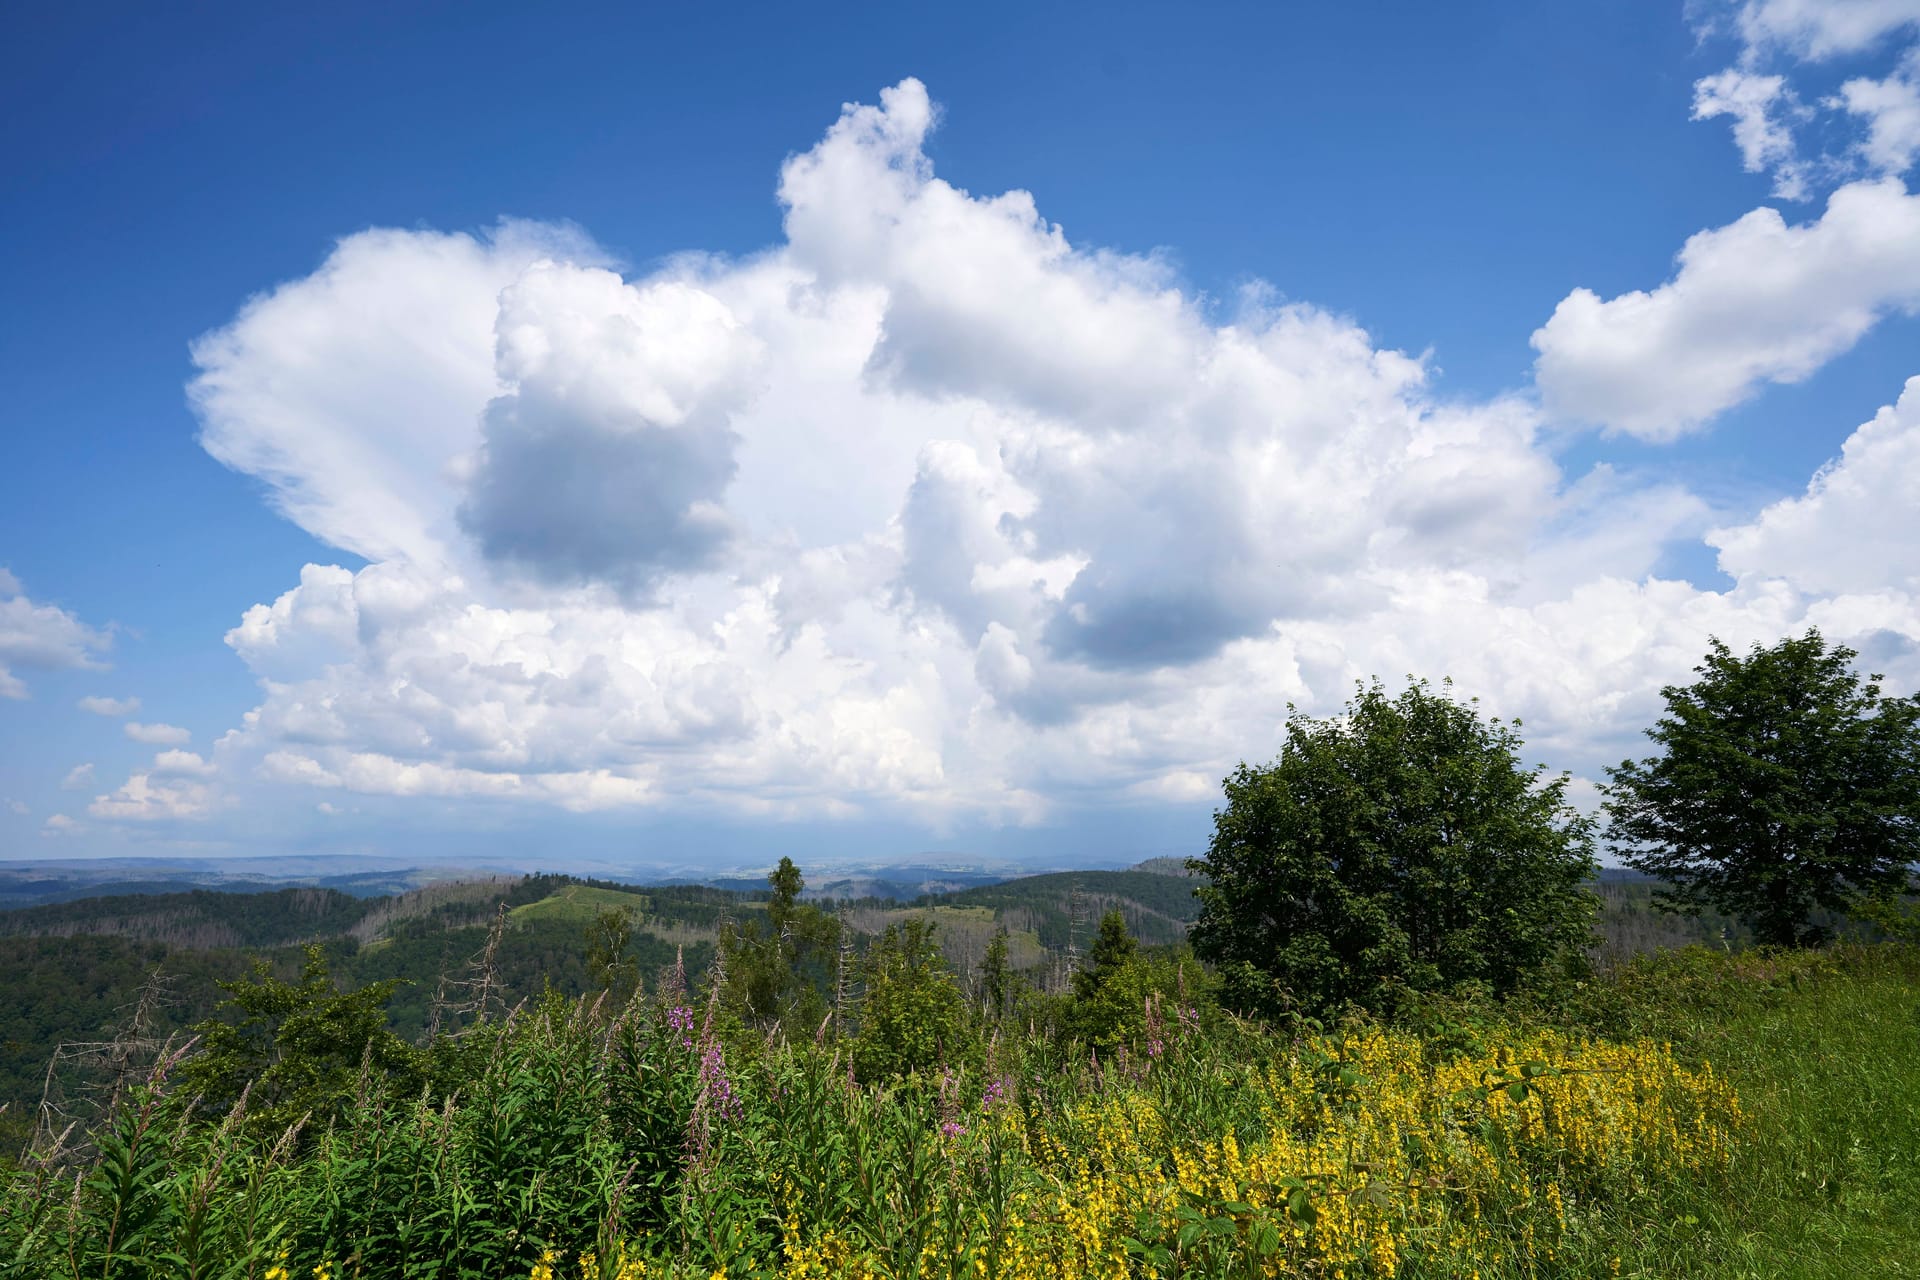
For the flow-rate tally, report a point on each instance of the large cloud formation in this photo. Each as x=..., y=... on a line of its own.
x=926, y=513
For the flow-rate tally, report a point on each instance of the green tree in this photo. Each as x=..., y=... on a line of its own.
x=1112, y=948
x=609, y=939
x=1785, y=787
x=1398, y=847
x=780, y=968
x=301, y=1046
x=1110, y=991
x=913, y=1016
x=786, y=882
x=996, y=976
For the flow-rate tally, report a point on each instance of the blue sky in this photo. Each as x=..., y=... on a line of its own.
x=774, y=484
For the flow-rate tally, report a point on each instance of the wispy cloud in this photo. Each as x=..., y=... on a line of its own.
x=110, y=706
x=157, y=735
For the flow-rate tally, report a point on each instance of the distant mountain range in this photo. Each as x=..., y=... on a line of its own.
x=27, y=884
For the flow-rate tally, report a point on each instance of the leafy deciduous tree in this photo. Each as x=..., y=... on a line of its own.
x=608, y=938
x=297, y=1048
x=1785, y=786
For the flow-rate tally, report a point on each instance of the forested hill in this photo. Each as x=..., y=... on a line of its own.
x=74, y=969
x=1158, y=908
x=202, y=919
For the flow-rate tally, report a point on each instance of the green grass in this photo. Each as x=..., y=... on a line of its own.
x=578, y=904
x=1825, y=1054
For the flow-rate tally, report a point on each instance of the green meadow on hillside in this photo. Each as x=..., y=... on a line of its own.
x=578, y=903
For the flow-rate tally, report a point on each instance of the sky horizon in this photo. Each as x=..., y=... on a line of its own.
x=687, y=436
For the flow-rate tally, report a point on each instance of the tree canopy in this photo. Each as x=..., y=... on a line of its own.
x=1786, y=786
x=913, y=1016
x=782, y=966
x=297, y=1049
x=1399, y=847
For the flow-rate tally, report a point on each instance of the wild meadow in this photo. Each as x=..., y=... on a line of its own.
x=1694, y=1114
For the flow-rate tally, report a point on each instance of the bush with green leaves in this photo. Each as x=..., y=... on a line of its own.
x=912, y=1014
x=296, y=1050
x=1399, y=847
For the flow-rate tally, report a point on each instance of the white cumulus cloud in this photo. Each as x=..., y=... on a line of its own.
x=41, y=637
x=1763, y=111
x=181, y=764
x=365, y=464
x=608, y=457
x=1759, y=300
x=1778, y=41
x=110, y=706
x=178, y=785
x=78, y=778
x=1890, y=108
x=1855, y=529
x=1821, y=29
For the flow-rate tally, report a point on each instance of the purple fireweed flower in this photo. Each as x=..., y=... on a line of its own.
x=952, y=1128
x=680, y=1018
x=715, y=1088
x=1155, y=1027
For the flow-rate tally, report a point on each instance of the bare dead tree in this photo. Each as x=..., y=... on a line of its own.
x=842, y=983
x=88, y=1078
x=481, y=983
x=1076, y=917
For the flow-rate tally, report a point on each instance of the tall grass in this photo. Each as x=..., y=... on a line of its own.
x=1697, y=1115
x=1824, y=1051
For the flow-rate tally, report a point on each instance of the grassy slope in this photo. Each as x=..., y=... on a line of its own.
x=1827, y=1185
x=963, y=933
x=578, y=904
